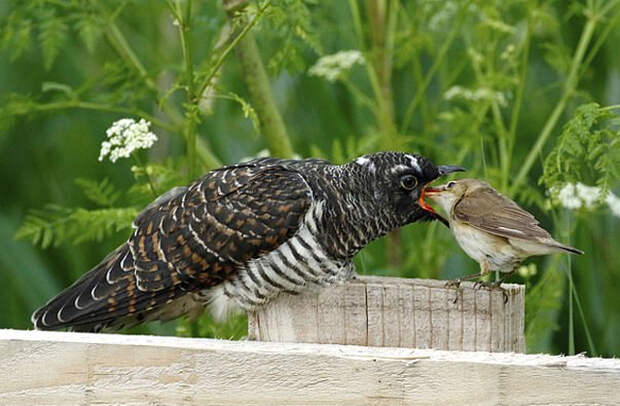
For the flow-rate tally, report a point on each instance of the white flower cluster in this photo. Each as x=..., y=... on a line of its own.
x=577, y=196
x=126, y=136
x=482, y=93
x=331, y=67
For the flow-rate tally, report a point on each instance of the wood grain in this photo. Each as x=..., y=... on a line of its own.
x=397, y=312
x=51, y=368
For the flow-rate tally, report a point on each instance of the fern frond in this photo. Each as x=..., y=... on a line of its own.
x=102, y=193
x=588, y=151
x=52, y=36
x=56, y=225
x=90, y=30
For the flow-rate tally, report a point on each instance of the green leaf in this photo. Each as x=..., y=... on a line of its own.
x=587, y=151
x=52, y=36
x=248, y=110
x=56, y=225
x=102, y=193
x=21, y=39
x=90, y=31
x=54, y=86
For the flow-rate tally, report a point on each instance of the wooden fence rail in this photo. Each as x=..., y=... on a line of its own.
x=51, y=368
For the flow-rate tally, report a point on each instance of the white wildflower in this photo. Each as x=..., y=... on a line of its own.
x=443, y=17
x=577, y=196
x=613, y=202
x=482, y=93
x=126, y=136
x=331, y=67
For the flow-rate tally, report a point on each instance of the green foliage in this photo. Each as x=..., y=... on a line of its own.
x=101, y=193
x=56, y=225
x=234, y=328
x=587, y=150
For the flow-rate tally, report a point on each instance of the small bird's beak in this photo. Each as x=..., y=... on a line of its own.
x=446, y=169
x=430, y=191
x=425, y=206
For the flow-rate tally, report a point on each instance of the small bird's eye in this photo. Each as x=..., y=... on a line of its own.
x=408, y=182
x=450, y=184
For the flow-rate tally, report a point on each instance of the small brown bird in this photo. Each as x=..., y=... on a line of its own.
x=491, y=228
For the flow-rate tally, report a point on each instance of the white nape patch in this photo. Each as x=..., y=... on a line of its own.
x=220, y=305
x=364, y=161
x=414, y=163
x=399, y=168
x=512, y=230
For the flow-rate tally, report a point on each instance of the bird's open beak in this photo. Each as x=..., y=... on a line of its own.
x=429, y=191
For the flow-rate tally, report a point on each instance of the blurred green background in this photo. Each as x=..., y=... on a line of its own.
x=488, y=85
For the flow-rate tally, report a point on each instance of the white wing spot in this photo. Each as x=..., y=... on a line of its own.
x=512, y=230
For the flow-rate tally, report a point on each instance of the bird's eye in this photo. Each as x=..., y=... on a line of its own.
x=450, y=184
x=408, y=182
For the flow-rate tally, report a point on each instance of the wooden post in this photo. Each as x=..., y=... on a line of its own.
x=397, y=312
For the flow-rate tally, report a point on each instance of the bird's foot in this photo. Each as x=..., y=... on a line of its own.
x=454, y=284
x=492, y=286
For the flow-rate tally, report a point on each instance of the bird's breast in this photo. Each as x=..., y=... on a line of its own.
x=300, y=263
x=482, y=246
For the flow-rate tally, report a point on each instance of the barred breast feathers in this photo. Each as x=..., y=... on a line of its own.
x=297, y=264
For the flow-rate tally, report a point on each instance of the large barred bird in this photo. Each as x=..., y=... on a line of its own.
x=243, y=234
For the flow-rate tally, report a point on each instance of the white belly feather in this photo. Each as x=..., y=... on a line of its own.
x=498, y=253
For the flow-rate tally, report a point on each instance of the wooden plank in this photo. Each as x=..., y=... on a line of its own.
x=397, y=312
x=45, y=368
x=356, y=319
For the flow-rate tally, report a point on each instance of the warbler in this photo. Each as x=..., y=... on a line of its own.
x=491, y=228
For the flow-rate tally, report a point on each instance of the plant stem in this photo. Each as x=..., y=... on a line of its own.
x=119, y=43
x=569, y=88
x=136, y=156
x=382, y=20
x=516, y=109
x=593, y=351
x=571, y=323
x=103, y=107
x=421, y=91
x=191, y=109
x=205, y=154
x=231, y=46
x=271, y=124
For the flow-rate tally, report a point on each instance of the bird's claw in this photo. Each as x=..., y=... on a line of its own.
x=454, y=284
x=492, y=286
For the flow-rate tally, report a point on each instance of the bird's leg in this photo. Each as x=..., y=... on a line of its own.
x=456, y=283
x=496, y=285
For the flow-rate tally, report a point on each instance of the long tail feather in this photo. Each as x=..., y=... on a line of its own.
x=105, y=297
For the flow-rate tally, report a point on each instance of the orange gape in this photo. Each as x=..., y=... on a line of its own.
x=423, y=204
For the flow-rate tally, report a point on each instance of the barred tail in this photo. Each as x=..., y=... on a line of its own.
x=106, y=297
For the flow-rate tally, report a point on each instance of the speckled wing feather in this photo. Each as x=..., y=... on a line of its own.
x=487, y=210
x=187, y=240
